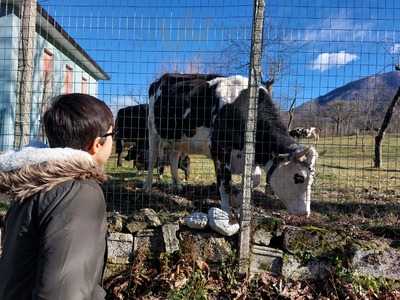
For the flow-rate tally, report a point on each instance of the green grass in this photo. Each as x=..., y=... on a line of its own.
x=346, y=165
x=347, y=189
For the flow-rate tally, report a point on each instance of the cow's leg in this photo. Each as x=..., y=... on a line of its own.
x=224, y=178
x=160, y=171
x=186, y=169
x=119, y=147
x=154, y=147
x=256, y=176
x=316, y=136
x=173, y=157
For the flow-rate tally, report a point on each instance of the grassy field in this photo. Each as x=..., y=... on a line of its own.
x=346, y=165
x=347, y=191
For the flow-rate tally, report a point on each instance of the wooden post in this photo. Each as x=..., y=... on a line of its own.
x=25, y=73
x=247, y=182
x=384, y=126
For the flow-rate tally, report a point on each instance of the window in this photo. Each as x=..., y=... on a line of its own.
x=84, y=87
x=47, y=87
x=68, y=79
x=48, y=62
x=48, y=65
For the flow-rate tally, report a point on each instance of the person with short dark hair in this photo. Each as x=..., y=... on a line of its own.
x=54, y=242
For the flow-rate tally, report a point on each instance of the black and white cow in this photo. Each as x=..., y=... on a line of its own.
x=131, y=127
x=206, y=114
x=301, y=132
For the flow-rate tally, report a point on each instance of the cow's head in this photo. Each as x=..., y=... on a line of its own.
x=132, y=154
x=291, y=176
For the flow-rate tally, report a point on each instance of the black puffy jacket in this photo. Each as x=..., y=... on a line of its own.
x=54, y=242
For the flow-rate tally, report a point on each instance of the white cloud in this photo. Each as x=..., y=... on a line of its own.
x=395, y=49
x=325, y=61
x=339, y=27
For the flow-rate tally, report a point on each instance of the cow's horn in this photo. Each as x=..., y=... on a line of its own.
x=300, y=153
x=283, y=156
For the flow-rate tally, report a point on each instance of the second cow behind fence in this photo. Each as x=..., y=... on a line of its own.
x=302, y=132
x=131, y=128
x=206, y=114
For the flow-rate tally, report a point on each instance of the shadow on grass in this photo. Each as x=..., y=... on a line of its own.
x=386, y=231
x=365, y=210
x=359, y=168
x=129, y=196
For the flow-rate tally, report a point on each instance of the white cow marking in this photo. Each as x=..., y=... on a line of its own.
x=229, y=88
x=197, y=144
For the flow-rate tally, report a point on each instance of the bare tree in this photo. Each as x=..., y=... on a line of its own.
x=25, y=72
x=338, y=111
x=385, y=124
x=277, y=49
x=291, y=110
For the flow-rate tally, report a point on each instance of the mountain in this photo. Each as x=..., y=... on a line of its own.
x=375, y=90
x=379, y=88
x=358, y=104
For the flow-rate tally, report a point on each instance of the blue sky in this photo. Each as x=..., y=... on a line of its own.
x=323, y=44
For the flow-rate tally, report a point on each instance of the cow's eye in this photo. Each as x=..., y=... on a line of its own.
x=298, y=178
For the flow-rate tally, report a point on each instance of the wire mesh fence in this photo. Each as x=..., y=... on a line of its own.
x=331, y=68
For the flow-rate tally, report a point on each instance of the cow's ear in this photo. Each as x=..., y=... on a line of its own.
x=263, y=95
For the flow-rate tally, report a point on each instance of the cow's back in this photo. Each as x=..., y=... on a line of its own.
x=131, y=123
x=182, y=103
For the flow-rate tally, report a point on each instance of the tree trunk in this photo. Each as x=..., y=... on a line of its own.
x=291, y=114
x=337, y=128
x=384, y=126
x=25, y=73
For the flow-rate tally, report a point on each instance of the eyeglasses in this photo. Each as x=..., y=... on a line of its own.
x=112, y=133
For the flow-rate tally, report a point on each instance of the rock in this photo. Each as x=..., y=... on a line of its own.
x=171, y=242
x=114, y=269
x=196, y=220
x=151, y=217
x=262, y=237
x=119, y=248
x=149, y=240
x=209, y=246
x=382, y=263
x=265, y=259
x=147, y=215
x=142, y=219
x=171, y=217
x=270, y=224
x=115, y=221
x=135, y=226
x=293, y=269
x=313, y=240
x=220, y=222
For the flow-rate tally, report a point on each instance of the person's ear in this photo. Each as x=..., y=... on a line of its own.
x=95, y=147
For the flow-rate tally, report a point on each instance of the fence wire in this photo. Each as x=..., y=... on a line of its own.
x=332, y=68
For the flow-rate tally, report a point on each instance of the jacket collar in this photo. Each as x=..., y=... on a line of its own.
x=32, y=170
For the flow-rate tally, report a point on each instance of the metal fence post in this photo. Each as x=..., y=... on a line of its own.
x=247, y=182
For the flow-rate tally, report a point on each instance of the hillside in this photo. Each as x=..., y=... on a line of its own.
x=362, y=103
